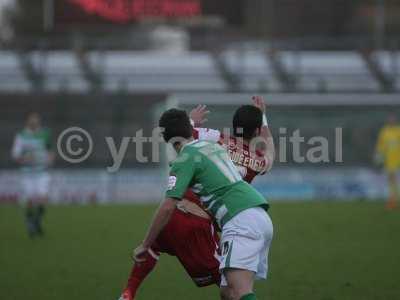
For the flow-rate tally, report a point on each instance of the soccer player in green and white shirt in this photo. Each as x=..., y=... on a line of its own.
x=237, y=207
x=32, y=151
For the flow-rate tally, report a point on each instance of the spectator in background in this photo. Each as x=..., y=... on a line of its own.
x=32, y=151
x=388, y=154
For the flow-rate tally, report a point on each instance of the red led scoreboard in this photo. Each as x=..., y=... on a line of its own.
x=130, y=10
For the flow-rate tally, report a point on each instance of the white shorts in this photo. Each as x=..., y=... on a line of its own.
x=245, y=242
x=35, y=185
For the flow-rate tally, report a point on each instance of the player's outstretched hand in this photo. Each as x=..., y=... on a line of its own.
x=26, y=159
x=138, y=254
x=199, y=114
x=258, y=101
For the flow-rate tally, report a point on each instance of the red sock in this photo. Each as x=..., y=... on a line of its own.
x=140, y=271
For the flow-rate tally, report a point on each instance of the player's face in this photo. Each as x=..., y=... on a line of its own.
x=392, y=120
x=33, y=121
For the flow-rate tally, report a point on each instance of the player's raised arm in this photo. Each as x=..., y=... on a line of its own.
x=268, y=146
x=198, y=115
x=198, y=118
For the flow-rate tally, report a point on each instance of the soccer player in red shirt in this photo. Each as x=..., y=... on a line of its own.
x=191, y=235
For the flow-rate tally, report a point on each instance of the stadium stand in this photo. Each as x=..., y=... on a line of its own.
x=253, y=70
x=12, y=76
x=390, y=63
x=150, y=71
x=329, y=71
x=234, y=69
x=60, y=70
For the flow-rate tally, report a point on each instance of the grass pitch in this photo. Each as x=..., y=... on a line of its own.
x=322, y=251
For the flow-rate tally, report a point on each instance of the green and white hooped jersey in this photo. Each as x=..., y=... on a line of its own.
x=206, y=168
x=35, y=144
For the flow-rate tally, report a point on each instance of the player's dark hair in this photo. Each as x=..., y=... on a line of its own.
x=246, y=120
x=175, y=124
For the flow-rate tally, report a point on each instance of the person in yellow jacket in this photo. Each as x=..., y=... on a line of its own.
x=388, y=153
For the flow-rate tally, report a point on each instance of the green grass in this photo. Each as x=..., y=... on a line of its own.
x=320, y=251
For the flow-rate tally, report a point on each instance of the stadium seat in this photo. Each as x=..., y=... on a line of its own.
x=390, y=63
x=151, y=71
x=12, y=77
x=329, y=71
x=61, y=71
x=253, y=69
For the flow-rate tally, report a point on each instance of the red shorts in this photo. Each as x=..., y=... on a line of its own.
x=194, y=241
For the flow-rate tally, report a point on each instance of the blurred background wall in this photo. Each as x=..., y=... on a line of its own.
x=111, y=67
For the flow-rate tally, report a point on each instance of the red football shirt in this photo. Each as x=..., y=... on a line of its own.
x=249, y=164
